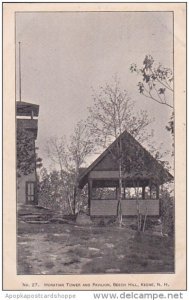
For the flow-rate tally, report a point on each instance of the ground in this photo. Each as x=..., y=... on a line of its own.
x=53, y=248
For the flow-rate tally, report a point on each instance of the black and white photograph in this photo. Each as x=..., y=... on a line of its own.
x=95, y=142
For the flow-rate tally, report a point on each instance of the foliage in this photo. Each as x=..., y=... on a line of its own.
x=157, y=80
x=104, y=193
x=167, y=211
x=56, y=191
x=170, y=126
x=27, y=159
x=156, y=85
x=50, y=190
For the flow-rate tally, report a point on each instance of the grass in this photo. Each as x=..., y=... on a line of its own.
x=70, y=249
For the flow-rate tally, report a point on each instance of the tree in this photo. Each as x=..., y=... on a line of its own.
x=113, y=112
x=157, y=80
x=53, y=191
x=56, y=151
x=79, y=148
x=49, y=189
x=156, y=85
x=69, y=156
x=167, y=210
x=27, y=160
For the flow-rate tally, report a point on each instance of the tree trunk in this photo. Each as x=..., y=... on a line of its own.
x=119, y=206
x=79, y=201
x=139, y=216
x=70, y=205
x=74, y=200
x=68, y=196
x=75, y=196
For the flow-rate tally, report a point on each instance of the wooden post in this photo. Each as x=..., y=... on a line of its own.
x=144, y=224
x=157, y=191
x=138, y=206
x=35, y=193
x=150, y=191
x=143, y=192
x=119, y=206
x=116, y=193
x=124, y=189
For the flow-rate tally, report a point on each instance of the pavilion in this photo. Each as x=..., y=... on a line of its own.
x=142, y=175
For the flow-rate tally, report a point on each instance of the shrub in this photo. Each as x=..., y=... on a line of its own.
x=167, y=212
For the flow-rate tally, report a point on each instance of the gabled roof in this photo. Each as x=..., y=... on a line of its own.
x=82, y=170
x=128, y=138
x=26, y=109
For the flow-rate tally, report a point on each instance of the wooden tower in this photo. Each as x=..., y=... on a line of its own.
x=27, y=128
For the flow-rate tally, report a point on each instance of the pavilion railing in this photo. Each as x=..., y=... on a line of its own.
x=129, y=207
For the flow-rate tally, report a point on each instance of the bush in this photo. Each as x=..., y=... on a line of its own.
x=167, y=213
x=57, y=192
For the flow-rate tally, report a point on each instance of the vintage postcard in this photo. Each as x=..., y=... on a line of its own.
x=94, y=118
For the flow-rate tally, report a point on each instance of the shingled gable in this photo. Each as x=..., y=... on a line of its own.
x=152, y=166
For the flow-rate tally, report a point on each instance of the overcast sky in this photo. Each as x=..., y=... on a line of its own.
x=65, y=54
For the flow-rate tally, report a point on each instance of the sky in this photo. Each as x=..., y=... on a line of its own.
x=64, y=55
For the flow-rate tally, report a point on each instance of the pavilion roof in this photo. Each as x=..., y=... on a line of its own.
x=137, y=162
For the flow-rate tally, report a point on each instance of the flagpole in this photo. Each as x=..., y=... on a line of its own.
x=20, y=82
